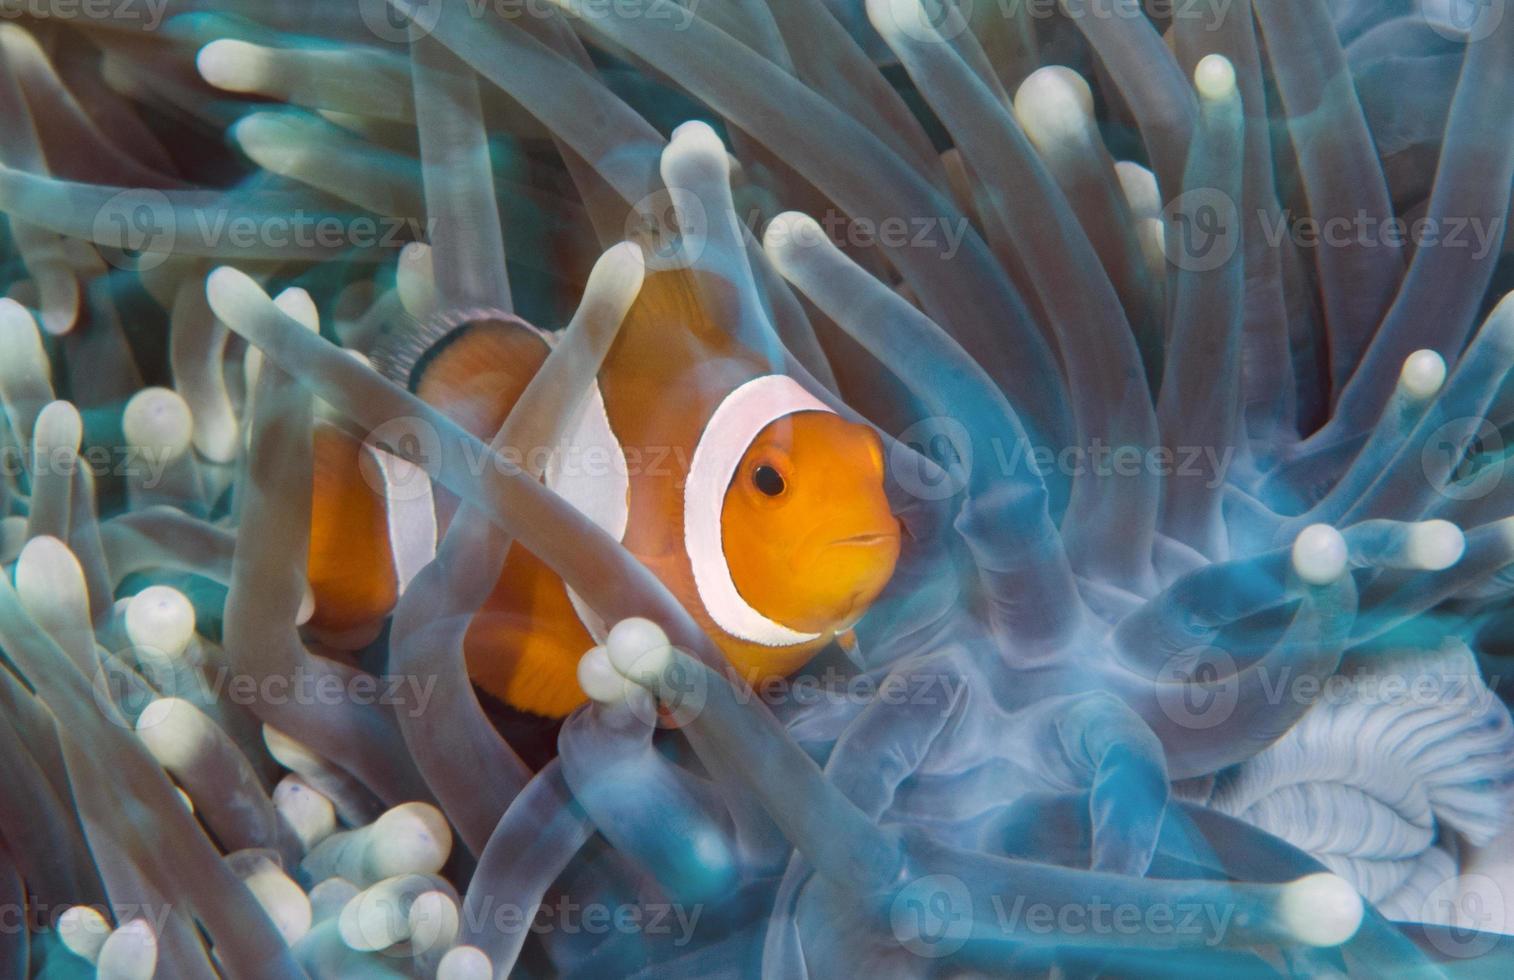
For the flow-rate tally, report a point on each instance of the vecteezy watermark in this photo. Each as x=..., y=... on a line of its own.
x=933, y=459
x=937, y=235
x=1199, y=688
x=140, y=463
x=1463, y=20
x=1210, y=14
x=418, y=442
x=144, y=14
x=1203, y=229
x=934, y=916
x=1105, y=461
x=126, y=683
x=16, y=918
x=397, y=21
x=670, y=225
x=566, y=916
x=1363, y=230
x=943, y=689
x=1204, y=923
x=673, y=15
x=1463, y=459
x=928, y=21
x=139, y=229
x=674, y=224
x=1470, y=912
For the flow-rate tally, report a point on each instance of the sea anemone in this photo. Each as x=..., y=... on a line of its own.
x=1181, y=328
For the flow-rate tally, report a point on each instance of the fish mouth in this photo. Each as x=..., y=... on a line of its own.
x=864, y=540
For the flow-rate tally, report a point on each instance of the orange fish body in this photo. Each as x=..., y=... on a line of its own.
x=758, y=507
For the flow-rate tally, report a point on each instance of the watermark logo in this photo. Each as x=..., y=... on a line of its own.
x=1463, y=20
x=148, y=14
x=926, y=21
x=1471, y=909
x=937, y=235
x=413, y=449
x=670, y=225
x=136, y=229
x=944, y=442
x=679, y=689
x=1460, y=459
x=1203, y=229
x=1198, y=688
x=128, y=683
x=673, y=921
x=932, y=916
x=399, y=23
x=1365, y=230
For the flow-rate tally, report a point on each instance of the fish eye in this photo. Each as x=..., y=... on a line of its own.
x=768, y=480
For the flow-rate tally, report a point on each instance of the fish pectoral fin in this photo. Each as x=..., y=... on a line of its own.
x=350, y=566
x=847, y=641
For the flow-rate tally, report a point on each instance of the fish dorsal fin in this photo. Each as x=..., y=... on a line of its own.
x=472, y=364
x=679, y=320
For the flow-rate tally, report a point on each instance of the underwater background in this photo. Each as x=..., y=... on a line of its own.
x=1177, y=339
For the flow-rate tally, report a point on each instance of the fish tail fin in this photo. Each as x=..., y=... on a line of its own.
x=524, y=645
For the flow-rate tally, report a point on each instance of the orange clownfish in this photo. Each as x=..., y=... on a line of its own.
x=761, y=509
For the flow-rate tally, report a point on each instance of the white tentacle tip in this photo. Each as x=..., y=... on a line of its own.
x=59, y=426
x=639, y=650
x=1319, y=554
x=465, y=963
x=1214, y=77
x=434, y=922
x=598, y=678
x=173, y=731
x=158, y=419
x=309, y=813
x=1320, y=909
x=21, y=342
x=789, y=234
x=697, y=141
x=895, y=18
x=233, y=65
x=1435, y=545
x=297, y=303
x=1423, y=373
x=162, y=618
x=1054, y=104
x=228, y=290
x=286, y=903
x=49, y=559
x=82, y=931
x=624, y=258
x=619, y=273
x=49, y=579
x=129, y=953
x=412, y=838
x=1140, y=188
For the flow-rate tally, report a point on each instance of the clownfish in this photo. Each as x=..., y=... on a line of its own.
x=760, y=508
